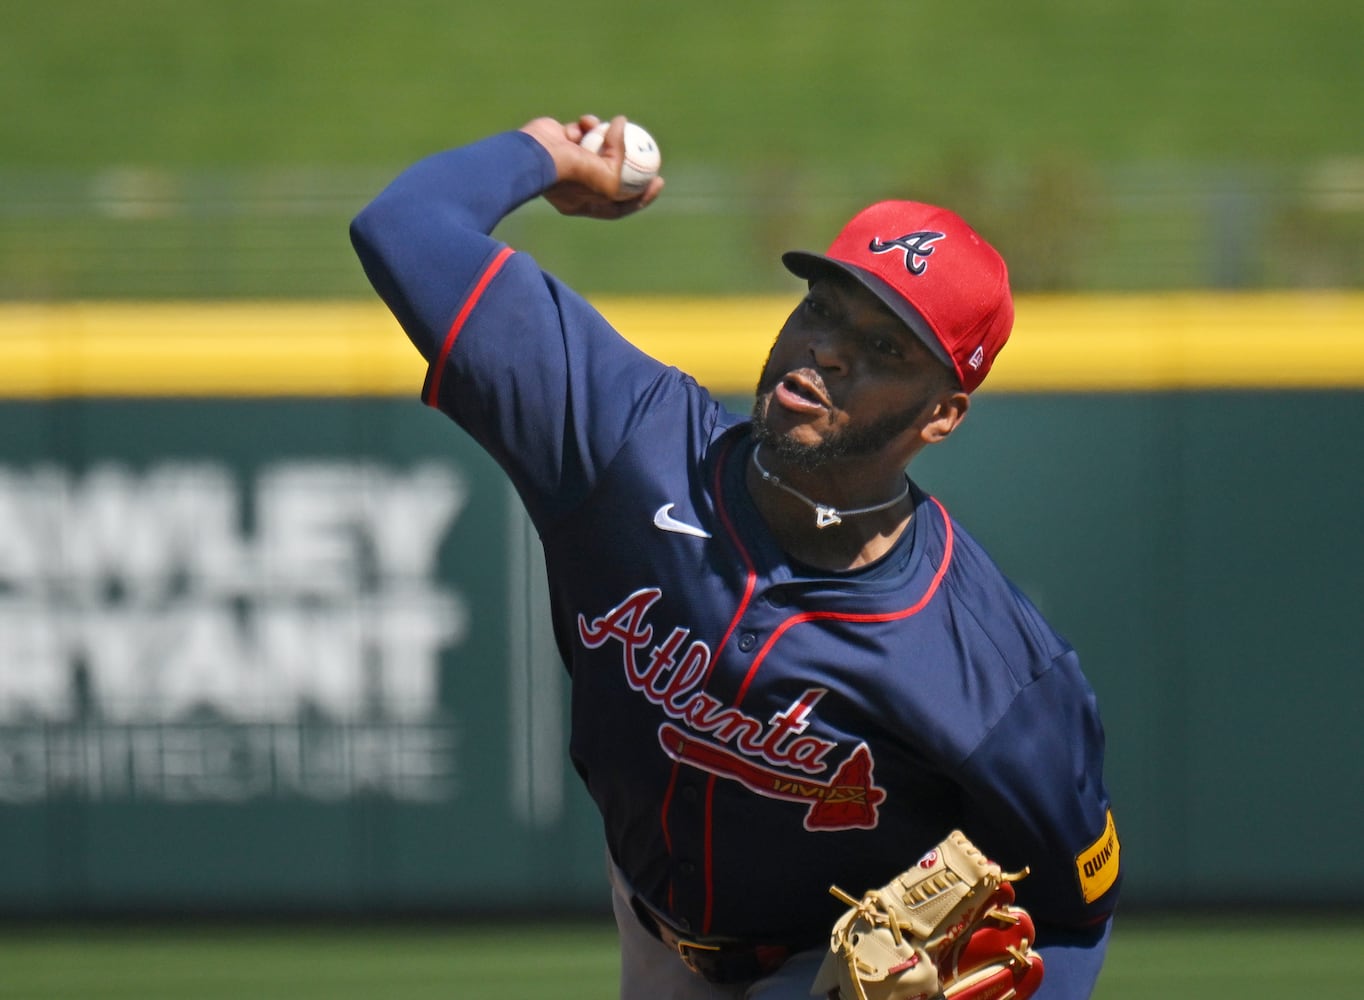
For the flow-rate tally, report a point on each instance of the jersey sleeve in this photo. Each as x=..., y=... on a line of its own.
x=424, y=238
x=1034, y=789
x=519, y=360
x=1035, y=792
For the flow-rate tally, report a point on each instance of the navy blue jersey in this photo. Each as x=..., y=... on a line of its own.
x=752, y=730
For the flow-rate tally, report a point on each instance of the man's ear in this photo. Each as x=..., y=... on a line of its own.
x=949, y=412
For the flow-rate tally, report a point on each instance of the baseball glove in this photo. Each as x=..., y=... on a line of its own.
x=945, y=928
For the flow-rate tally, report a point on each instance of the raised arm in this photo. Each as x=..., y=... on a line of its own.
x=426, y=236
x=519, y=360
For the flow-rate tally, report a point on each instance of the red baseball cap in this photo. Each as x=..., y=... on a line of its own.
x=933, y=271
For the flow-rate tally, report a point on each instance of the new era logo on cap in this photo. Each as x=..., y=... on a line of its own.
x=933, y=271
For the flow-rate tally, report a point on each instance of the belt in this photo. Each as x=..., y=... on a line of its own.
x=716, y=959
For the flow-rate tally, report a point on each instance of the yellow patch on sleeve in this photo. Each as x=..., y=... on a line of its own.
x=1097, y=864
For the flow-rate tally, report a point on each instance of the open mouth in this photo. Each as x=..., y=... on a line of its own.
x=801, y=392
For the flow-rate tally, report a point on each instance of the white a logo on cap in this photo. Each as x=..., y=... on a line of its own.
x=977, y=358
x=915, y=245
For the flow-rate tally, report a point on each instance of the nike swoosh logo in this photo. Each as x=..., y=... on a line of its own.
x=666, y=522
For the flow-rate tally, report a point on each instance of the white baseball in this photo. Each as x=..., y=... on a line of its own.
x=642, y=158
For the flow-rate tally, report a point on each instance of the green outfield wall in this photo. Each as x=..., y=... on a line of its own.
x=272, y=633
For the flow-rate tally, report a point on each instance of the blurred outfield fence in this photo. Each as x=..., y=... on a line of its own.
x=272, y=634
x=147, y=233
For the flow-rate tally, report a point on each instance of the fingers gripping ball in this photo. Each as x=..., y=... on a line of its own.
x=946, y=928
x=642, y=158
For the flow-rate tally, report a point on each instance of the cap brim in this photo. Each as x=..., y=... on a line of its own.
x=807, y=265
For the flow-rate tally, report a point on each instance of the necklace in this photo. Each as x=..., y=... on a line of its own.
x=824, y=514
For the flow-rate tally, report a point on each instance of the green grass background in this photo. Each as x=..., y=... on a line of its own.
x=1102, y=144
x=1170, y=959
x=812, y=82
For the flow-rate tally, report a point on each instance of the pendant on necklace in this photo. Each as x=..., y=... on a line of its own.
x=825, y=516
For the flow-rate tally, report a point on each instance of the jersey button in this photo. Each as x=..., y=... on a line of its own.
x=747, y=641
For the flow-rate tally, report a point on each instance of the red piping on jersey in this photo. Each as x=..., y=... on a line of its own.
x=438, y=369
x=751, y=573
x=843, y=616
x=750, y=584
x=781, y=630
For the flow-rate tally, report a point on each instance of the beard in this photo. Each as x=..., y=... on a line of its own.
x=849, y=442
